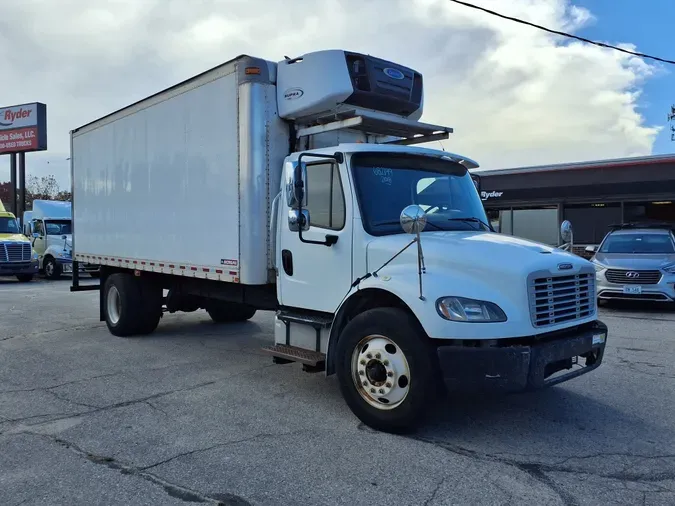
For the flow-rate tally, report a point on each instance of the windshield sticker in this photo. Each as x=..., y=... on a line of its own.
x=384, y=175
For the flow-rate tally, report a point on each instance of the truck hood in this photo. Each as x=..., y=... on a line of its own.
x=13, y=238
x=478, y=254
x=637, y=261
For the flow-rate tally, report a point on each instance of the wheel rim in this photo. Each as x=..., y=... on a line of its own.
x=49, y=268
x=114, y=305
x=380, y=372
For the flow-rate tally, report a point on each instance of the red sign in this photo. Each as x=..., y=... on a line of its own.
x=23, y=128
x=22, y=139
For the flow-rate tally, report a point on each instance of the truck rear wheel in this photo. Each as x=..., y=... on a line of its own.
x=386, y=369
x=131, y=305
x=229, y=312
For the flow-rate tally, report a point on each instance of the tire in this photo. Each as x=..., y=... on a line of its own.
x=52, y=269
x=229, y=312
x=401, y=353
x=122, y=305
x=24, y=278
x=151, y=299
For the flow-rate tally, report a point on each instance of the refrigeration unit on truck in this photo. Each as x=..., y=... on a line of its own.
x=51, y=230
x=374, y=254
x=16, y=256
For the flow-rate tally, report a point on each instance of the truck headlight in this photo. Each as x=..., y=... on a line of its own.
x=460, y=309
x=35, y=255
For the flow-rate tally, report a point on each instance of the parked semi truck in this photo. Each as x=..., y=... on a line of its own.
x=16, y=255
x=373, y=252
x=50, y=226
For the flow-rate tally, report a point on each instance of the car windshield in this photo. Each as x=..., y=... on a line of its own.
x=638, y=243
x=8, y=226
x=386, y=183
x=58, y=227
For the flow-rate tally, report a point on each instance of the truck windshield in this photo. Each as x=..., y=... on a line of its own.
x=58, y=227
x=8, y=226
x=388, y=182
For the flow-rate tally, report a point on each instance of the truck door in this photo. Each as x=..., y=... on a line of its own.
x=316, y=276
x=39, y=238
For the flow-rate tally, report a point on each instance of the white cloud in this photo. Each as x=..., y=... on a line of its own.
x=515, y=95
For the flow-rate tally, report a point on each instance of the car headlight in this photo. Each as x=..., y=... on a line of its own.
x=598, y=266
x=670, y=268
x=460, y=309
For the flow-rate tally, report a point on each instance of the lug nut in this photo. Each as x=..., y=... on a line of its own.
x=386, y=362
x=381, y=391
x=372, y=390
x=390, y=374
x=361, y=373
x=363, y=362
x=370, y=355
x=377, y=356
x=365, y=383
x=388, y=385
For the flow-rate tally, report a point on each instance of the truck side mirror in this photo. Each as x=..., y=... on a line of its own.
x=36, y=235
x=591, y=249
x=297, y=220
x=476, y=181
x=296, y=186
x=566, y=231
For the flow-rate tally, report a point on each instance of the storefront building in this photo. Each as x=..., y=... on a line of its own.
x=531, y=202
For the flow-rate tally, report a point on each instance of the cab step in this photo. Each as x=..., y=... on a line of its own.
x=312, y=361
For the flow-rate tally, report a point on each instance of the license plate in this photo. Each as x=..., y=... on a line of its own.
x=632, y=290
x=599, y=338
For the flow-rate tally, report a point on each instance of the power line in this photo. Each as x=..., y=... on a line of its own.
x=564, y=34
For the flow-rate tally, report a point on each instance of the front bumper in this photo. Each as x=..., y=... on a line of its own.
x=663, y=291
x=14, y=268
x=524, y=364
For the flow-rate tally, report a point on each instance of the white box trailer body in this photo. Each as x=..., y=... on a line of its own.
x=164, y=183
x=288, y=187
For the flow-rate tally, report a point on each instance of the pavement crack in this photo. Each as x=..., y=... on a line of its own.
x=434, y=493
x=172, y=489
x=538, y=471
x=221, y=445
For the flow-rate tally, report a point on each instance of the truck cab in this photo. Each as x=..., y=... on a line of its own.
x=16, y=255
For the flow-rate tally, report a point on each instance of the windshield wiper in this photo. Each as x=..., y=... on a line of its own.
x=473, y=220
x=392, y=222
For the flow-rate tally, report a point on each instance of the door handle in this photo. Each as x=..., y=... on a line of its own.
x=287, y=261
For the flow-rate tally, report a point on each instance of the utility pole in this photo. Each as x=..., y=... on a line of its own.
x=671, y=119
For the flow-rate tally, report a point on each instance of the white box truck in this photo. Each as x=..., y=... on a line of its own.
x=375, y=254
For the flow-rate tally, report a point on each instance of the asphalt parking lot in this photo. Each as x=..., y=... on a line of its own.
x=195, y=414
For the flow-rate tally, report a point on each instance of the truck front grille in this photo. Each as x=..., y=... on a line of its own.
x=559, y=299
x=15, y=252
x=628, y=277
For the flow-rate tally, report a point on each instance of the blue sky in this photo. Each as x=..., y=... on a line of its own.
x=648, y=25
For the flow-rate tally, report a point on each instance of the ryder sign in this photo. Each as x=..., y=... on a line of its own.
x=23, y=128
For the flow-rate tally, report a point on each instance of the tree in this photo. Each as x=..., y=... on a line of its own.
x=42, y=188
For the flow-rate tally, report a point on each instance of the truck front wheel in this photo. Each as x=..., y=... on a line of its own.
x=386, y=369
x=52, y=269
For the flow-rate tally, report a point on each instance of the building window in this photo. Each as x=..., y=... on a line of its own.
x=591, y=222
x=538, y=224
x=663, y=210
x=325, y=197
